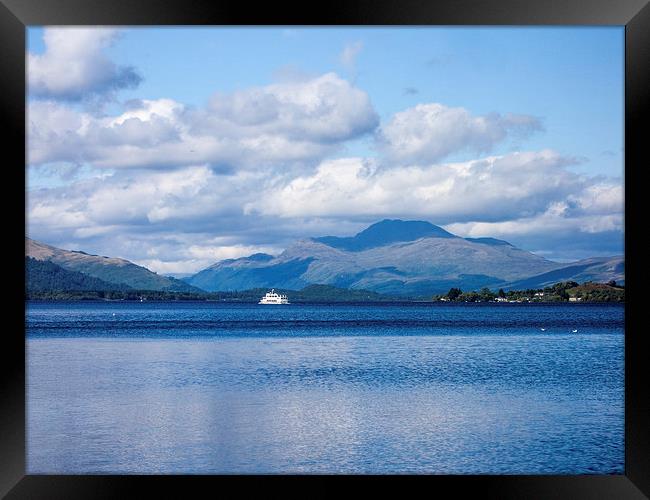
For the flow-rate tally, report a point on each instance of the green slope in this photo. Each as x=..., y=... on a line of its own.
x=41, y=276
x=108, y=269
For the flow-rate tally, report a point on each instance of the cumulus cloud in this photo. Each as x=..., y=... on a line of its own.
x=75, y=66
x=139, y=198
x=429, y=132
x=602, y=198
x=278, y=124
x=497, y=187
x=554, y=219
x=324, y=109
x=59, y=133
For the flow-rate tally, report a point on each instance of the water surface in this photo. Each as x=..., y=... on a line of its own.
x=393, y=388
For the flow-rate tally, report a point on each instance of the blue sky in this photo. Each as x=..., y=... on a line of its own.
x=542, y=106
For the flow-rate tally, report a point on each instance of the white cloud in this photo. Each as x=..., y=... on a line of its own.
x=59, y=133
x=550, y=222
x=601, y=198
x=154, y=199
x=74, y=64
x=495, y=188
x=429, y=132
x=146, y=110
x=324, y=109
x=276, y=125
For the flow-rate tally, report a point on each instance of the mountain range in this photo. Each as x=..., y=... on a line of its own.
x=393, y=257
x=404, y=258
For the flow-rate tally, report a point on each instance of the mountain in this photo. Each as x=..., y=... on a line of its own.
x=255, y=271
x=108, y=269
x=45, y=276
x=596, y=269
x=395, y=257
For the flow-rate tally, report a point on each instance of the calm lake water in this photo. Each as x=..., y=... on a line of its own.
x=393, y=388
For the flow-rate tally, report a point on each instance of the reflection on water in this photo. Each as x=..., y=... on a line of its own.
x=507, y=402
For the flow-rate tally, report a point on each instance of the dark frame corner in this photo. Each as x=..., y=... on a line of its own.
x=15, y=15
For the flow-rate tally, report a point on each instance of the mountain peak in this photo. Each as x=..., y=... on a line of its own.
x=407, y=228
x=386, y=232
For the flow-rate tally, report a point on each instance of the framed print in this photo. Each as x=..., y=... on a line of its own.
x=365, y=242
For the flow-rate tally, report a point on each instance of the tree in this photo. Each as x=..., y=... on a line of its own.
x=454, y=293
x=501, y=293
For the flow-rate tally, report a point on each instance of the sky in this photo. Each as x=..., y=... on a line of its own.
x=179, y=147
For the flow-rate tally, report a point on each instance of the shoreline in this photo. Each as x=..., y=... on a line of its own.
x=326, y=302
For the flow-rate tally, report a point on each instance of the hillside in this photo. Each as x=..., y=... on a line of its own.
x=597, y=269
x=109, y=269
x=597, y=292
x=42, y=275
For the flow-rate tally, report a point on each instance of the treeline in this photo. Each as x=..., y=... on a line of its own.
x=328, y=293
x=42, y=276
x=566, y=291
x=111, y=295
x=312, y=293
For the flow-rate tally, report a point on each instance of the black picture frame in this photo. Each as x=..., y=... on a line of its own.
x=15, y=15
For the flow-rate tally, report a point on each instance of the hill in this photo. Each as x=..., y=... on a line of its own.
x=109, y=269
x=42, y=275
x=597, y=269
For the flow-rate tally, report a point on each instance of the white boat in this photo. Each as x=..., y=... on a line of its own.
x=274, y=298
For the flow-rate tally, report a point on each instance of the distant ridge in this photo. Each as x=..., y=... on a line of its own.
x=393, y=257
x=108, y=269
x=596, y=269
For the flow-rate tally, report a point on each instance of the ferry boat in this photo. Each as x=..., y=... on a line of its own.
x=273, y=298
